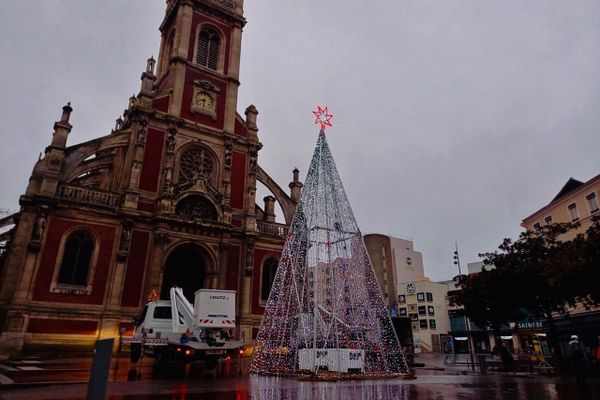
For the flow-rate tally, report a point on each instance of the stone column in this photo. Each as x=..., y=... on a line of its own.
x=227, y=156
x=269, y=209
x=295, y=187
x=249, y=267
x=157, y=254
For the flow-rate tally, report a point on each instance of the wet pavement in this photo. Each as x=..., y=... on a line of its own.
x=434, y=387
x=141, y=381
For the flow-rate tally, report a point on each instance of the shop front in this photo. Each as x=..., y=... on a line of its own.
x=533, y=338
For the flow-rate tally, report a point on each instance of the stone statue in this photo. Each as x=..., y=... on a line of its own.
x=253, y=160
x=125, y=238
x=228, y=154
x=39, y=226
x=172, y=131
x=141, y=138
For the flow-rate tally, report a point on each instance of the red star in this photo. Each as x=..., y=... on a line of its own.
x=323, y=117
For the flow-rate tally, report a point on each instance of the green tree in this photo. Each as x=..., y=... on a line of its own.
x=587, y=270
x=535, y=274
x=489, y=298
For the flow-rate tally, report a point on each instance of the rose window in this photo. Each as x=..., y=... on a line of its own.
x=195, y=164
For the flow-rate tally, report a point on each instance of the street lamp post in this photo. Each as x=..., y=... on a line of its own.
x=457, y=258
x=467, y=323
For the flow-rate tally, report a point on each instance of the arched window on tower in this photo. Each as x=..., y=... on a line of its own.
x=207, y=53
x=77, y=259
x=269, y=270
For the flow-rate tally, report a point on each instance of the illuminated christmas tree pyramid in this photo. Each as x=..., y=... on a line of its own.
x=326, y=311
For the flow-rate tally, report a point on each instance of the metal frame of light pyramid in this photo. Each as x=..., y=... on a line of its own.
x=326, y=310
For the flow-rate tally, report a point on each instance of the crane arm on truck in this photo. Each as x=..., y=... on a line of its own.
x=181, y=309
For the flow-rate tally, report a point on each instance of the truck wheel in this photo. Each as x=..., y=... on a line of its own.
x=210, y=362
x=135, y=352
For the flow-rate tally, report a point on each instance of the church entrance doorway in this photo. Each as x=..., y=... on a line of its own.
x=185, y=267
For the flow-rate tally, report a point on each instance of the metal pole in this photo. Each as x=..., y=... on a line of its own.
x=471, y=347
x=457, y=258
x=242, y=354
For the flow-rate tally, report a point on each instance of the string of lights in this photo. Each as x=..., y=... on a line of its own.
x=325, y=311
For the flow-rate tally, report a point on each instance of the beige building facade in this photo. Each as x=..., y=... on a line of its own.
x=394, y=260
x=407, y=291
x=576, y=202
x=424, y=303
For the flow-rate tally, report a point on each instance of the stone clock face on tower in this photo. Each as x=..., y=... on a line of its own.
x=204, y=98
x=205, y=101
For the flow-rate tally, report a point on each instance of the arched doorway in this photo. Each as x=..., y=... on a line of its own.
x=185, y=267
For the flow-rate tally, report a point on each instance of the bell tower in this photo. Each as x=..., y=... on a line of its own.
x=199, y=60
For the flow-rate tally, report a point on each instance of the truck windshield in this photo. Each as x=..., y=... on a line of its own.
x=162, y=313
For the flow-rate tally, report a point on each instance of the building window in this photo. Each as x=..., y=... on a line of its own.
x=420, y=296
x=423, y=324
x=537, y=227
x=401, y=299
x=402, y=312
x=430, y=310
x=432, y=324
x=429, y=296
x=573, y=212
x=412, y=308
x=548, y=220
x=414, y=317
x=592, y=202
x=77, y=258
x=269, y=270
x=207, y=53
x=422, y=310
x=458, y=323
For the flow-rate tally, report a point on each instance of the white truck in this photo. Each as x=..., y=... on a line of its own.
x=175, y=331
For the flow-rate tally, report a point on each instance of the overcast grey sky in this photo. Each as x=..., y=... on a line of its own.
x=453, y=119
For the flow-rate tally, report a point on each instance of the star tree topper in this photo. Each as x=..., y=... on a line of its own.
x=323, y=117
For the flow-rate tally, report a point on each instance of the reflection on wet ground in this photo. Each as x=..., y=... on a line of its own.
x=442, y=387
x=268, y=388
x=508, y=388
x=142, y=381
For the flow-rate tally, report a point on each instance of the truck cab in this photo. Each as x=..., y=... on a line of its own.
x=156, y=321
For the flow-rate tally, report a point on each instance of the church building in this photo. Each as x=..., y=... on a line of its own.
x=165, y=199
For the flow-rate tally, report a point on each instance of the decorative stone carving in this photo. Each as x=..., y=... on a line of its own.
x=141, y=138
x=195, y=163
x=161, y=238
x=172, y=131
x=197, y=207
x=228, y=154
x=125, y=238
x=249, y=256
x=168, y=178
x=253, y=160
x=134, y=178
x=40, y=226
